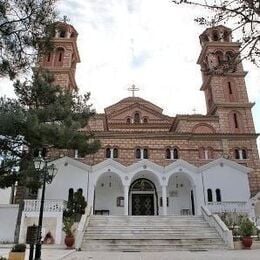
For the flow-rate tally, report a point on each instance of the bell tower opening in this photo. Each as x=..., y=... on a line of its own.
x=62, y=60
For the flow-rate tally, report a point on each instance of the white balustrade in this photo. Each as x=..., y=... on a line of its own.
x=215, y=221
x=49, y=205
x=228, y=206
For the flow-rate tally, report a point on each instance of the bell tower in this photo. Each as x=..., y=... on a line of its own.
x=224, y=81
x=62, y=60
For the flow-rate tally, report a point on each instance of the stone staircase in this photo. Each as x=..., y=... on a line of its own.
x=149, y=233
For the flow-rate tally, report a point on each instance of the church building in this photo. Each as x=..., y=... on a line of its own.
x=154, y=164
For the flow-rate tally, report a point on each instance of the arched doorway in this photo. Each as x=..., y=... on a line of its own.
x=109, y=195
x=143, y=198
x=181, y=195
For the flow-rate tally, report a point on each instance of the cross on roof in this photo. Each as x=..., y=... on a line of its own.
x=65, y=19
x=194, y=110
x=133, y=89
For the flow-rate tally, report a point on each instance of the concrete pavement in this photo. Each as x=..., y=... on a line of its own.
x=174, y=255
x=64, y=254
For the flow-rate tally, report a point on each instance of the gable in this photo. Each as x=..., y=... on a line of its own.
x=128, y=107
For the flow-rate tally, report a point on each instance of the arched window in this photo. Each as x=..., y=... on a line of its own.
x=236, y=154
x=230, y=91
x=168, y=153
x=226, y=36
x=108, y=153
x=210, y=97
x=128, y=120
x=230, y=56
x=115, y=153
x=235, y=120
x=145, y=153
x=210, y=153
x=232, y=95
x=220, y=57
x=62, y=33
x=209, y=193
x=49, y=57
x=201, y=153
x=175, y=153
x=244, y=154
x=80, y=191
x=218, y=195
x=215, y=36
x=145, y=120
x=70, y=196
x=138, y=153
x=137, y=118
x=59, y=56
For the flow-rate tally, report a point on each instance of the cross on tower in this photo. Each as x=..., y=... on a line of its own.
x=133, y=89
x=65, y=19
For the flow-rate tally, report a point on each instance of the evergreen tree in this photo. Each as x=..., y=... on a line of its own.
x=26, y=27
x=43, y=116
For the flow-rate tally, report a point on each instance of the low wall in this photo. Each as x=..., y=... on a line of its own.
x=52, y=222
x=8, y=217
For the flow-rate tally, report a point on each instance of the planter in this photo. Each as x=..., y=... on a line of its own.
x=247, y=242
x=16, y=256
x=69, y=241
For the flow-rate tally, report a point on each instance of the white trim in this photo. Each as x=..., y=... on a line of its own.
x=230, y=163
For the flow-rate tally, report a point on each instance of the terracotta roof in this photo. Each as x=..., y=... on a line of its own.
x=131, y=100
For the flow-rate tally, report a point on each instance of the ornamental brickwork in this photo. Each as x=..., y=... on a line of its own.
x=63, y=59
x=135, y=128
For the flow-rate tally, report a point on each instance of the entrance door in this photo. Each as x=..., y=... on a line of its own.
x=143, y=204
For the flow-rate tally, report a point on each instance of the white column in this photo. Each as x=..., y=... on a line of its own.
x=126, y=189
x=164, y=200
x=91, y=192
x=142, y=153
x=112, y=153
x=76, y=154
x=58, y=238
x=240, y=154
x=172, y=155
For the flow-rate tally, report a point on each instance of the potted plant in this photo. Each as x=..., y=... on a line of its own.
x=67, y=228
x=246, y=230
x=76, y=206
x=17, y=252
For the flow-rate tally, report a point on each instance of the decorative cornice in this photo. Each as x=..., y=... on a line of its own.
x=231, y=105
x=216, y=45
x=173, y=135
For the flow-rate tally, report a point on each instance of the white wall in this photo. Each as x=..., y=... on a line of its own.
x=8, y=217
x=52, y=222
x=68, y=176
x=5, y=195
x=106, y=196
x=232, y=182
x=182, y=199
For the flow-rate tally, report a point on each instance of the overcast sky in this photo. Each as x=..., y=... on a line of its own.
x=151, y=43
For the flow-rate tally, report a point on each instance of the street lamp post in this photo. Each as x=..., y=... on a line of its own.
x=47, y=173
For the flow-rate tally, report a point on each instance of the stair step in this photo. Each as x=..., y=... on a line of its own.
x=149, y=233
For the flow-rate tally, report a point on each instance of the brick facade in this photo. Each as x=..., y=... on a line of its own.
x=64, y=57
x=134, y=123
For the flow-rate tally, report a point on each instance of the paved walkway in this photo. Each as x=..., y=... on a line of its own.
x=176, y=255
x=63, y=254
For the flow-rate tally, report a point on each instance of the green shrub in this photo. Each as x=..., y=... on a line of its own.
x=246, y=228
x=67, y=225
